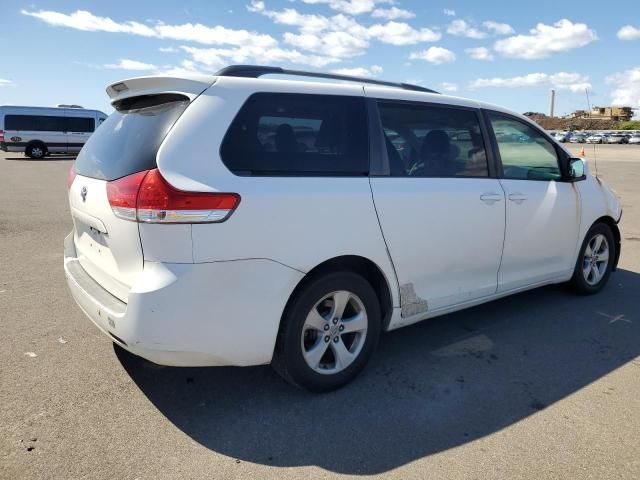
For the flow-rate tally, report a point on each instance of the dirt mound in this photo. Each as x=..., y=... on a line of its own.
x=549, y=123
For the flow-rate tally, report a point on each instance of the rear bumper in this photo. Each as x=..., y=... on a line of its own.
x=207, y=314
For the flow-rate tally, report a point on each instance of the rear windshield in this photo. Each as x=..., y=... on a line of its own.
x=128, y=140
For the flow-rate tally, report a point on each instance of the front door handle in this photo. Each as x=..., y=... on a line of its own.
x=491, y=198
x=517, y=197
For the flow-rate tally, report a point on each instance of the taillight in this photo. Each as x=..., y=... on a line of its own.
x=147, y=197
x=123, y=193
x=1, y=135
x=71, y=176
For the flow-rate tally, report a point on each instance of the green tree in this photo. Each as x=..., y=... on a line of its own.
x=630, y=125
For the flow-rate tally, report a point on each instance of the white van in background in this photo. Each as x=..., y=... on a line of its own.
x=39, y=131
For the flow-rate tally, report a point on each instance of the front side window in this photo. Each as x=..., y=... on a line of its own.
x=432, y=141
x=525, y=153
x=278, y=134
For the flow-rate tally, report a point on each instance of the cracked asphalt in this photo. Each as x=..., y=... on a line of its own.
x=539, y=385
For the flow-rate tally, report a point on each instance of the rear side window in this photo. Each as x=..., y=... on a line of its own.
x=128, y=140
x=80, y=124
x=35, y=123
x=432, y=141
x=298, y=134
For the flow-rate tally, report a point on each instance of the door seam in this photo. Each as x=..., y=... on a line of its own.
x=386, y=246
x=504, y=234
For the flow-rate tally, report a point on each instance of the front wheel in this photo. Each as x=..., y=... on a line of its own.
x=329, y=331
x=595, y=260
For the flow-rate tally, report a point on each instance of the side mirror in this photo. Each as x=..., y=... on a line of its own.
x=576, y=169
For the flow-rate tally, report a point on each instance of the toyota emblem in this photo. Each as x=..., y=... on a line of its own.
x=83, y=193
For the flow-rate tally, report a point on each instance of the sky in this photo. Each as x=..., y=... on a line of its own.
x=506, y=53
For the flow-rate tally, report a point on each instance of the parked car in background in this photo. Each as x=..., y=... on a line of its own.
x=254, y=221
x=39, y=131
x=578, y=138
x=634, y=139
x=595, y=138
x=562, y=137
x=617, y=138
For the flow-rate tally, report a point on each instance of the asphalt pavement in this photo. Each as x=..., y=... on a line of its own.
x=544, y=384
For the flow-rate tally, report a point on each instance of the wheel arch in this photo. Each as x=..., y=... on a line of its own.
x=356, y=264
x=613, y=225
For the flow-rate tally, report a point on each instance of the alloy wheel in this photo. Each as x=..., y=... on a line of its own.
x=595, y=260
x=334, y=332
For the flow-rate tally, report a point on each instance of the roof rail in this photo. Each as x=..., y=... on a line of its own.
x=255, y=71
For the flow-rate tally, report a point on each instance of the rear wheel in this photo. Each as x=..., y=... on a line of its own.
x=329, y=331
x=595, y=260
x=36, y=150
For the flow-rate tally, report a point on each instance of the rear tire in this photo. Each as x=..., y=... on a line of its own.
x=36, y=150
x=595, y=261
x=328, y=332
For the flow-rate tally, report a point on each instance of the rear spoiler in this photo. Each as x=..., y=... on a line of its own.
x=134, y=87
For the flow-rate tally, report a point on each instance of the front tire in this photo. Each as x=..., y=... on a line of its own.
x=36, y=151
x=595, y=260
x=328, y=333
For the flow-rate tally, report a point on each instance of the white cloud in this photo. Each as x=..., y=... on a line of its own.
x=546, y=40
x=256, y=6
x=186, y=68
x=5, y=83
x=629, y=32
x=400, y=33
x=479, y=53
x=449, y=87
x=449, y=13
x=317, y=40
x=333, y=44
x=461, y=28
x=360, y=71
x=351, y=7
x=215, y=58
x=498, y=28
x=168, y=49
x=244, y=45
x=570, y=81
x=392, y=13
x=626, y=85
x=341, y=36
x=216, y=35
x=83, y=20
x=436, y=55
x=289, y=16
x=126, y=64
x=574, y=82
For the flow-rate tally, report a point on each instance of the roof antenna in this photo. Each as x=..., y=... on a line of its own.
x=595, y=157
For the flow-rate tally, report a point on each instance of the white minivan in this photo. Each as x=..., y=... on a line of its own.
x=39, y=131
x=237, y=220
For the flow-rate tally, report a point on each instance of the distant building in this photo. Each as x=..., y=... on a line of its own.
x=605, y=113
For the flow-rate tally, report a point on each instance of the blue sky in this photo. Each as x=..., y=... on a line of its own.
x=508, y=53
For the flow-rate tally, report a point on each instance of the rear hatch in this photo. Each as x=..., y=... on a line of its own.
x=108, y=244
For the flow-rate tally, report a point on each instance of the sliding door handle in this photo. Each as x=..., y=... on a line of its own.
x=517, y=197
x=491, y=198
